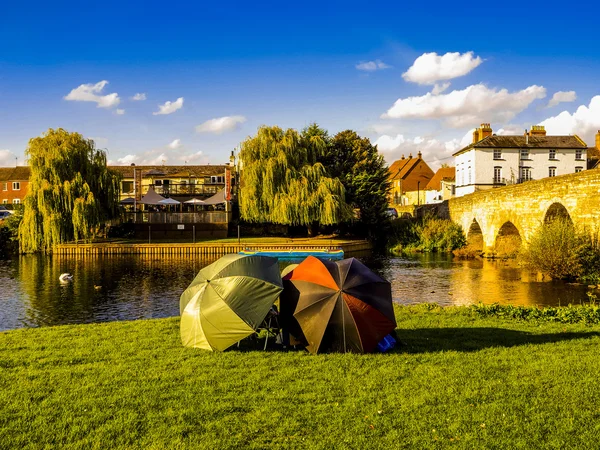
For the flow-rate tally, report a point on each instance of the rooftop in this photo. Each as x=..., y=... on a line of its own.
x=566, y=142
x=444, y=173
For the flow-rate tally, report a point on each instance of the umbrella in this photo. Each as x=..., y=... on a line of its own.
x=228, y=300
x=195, y=201
x=168, y=201
x=338, y=306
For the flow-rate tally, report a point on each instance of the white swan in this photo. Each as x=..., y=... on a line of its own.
x=65, y=277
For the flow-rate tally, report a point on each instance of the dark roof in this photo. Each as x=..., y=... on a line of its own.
x=401, y=167
x=19, y=173
x=445, y=173
x=568, y=142
x=593, y=153
x=172, y=171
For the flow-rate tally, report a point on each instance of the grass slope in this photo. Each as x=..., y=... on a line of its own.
x=459, y=381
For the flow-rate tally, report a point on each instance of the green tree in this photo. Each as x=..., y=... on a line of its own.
x=71, y=191
x=282, y=181
x=363, y=172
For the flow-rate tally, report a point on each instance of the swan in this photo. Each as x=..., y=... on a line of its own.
x=65, y=277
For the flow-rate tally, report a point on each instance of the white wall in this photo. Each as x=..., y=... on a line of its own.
x=482, y=165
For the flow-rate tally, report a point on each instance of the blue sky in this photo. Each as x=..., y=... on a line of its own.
x=238, y=65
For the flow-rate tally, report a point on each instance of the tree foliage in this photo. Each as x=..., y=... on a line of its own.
x=71, y=191
x=363, y=172
x=283, y=182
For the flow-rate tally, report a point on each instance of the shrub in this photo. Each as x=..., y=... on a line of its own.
x=560, y=251
x=429, y=234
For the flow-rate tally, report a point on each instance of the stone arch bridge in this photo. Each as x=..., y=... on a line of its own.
x=508, y=216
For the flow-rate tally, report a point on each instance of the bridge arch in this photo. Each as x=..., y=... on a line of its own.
x=508, y=240
x=475, y=236
x=557, y=211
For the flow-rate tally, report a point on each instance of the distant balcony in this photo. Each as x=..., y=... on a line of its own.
x=177, y=217
x=170, y=189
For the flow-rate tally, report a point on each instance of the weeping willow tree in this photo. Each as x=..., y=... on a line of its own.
x=71, y=191
x=282, y=182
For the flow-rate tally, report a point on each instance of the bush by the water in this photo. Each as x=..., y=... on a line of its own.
x=428, y=234
x=588, y=314
x=561, y=251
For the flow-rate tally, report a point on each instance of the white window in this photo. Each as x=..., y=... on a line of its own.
x=578, y=154
x=551, y=171
x=5, y=201
x=5, y=188
x=578, y=169
x=497, y=154
x=16, y=186
x=524, y=153
x=469, y=172
x=217, y=179
x=16, y=201
x=497, y=175
x=525, y=174
x=551, y=155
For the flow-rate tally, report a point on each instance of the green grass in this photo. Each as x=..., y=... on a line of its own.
x=461, y=379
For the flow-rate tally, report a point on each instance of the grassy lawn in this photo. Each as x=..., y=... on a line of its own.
x=460, y=380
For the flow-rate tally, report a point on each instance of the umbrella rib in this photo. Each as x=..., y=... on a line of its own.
x=327, y=297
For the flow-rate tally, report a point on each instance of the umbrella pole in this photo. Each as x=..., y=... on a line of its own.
x=343, y=323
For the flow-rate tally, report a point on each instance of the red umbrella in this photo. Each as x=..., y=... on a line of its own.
x=337, y=306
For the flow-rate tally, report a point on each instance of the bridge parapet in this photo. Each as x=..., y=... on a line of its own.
x=526, y=205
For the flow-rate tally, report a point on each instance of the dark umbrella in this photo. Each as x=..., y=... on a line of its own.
x=338, y=306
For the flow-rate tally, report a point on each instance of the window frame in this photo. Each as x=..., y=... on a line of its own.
x=16, y=201
x=552, y=154
x=498, y=178
x=17, y=184
x=497, y=154
x=525, y=170
x=551, y=171
x=524, y=154
x=578, y=154
x=578, y=169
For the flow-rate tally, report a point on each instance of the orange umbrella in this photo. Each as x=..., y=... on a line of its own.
x=337, y=306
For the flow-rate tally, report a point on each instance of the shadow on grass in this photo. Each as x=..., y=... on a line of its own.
x=428, y=340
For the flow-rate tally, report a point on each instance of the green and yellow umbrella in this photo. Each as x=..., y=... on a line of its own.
x=228, y=300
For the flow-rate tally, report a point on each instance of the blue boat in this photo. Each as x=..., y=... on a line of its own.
x=297, y=254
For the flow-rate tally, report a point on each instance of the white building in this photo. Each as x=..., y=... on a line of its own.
x=493, y=161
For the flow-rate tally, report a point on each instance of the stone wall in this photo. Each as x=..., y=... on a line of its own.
x=526, y=205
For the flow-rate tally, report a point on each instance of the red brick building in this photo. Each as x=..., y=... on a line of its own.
x=14, y=183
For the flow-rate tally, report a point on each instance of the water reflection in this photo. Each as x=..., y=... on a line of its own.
x=449, y=281
x=136, y=287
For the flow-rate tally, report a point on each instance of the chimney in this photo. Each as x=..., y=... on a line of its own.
x=598, y=140
x=537, y=130
x=476, y=136
x=526, y=137
x=410, y=156
x=419, y=154
x=485, y=131
x=402, y=156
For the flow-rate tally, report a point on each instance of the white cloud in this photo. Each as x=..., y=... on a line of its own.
x=439, y=88
x=371, y=66
x=220, y=124
x=511, y=130
x=467, y=107
x=7, y=158
x=175, y=144
x=127, y=160
x=562, y=97
x=195, y=158
x=431, y=67
x=120, y=112
x=90, y=93
x=169, y=107
x=139, y=97
x=584, y=122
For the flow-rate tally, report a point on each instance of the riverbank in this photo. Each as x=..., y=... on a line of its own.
x=466, y=378
x=213, y=247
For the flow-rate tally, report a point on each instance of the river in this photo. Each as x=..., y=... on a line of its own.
x=138, y=287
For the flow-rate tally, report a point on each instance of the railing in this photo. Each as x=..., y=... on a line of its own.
x=176, y=218
x=182, y=189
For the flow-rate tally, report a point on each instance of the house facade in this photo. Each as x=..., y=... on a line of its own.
x=14, y=183
x=441, y=187
x=492, y=161
x=409, y=177
x=179, y=182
